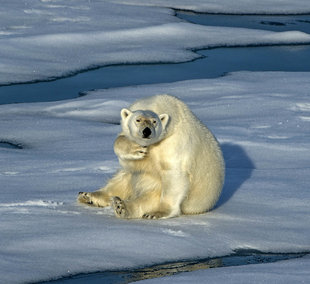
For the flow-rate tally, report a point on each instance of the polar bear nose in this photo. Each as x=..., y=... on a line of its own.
x=146, y=132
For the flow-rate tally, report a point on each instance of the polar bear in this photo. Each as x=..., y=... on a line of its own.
x=171, y=164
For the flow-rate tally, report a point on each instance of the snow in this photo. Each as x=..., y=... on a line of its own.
x=67, y=148
x=50, y=40
x=260, y=118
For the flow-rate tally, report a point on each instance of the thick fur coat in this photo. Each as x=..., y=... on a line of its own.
x=171, y=163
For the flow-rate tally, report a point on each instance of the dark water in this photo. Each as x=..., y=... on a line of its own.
x=215, y=62
x=241, y=257
x=276, y=23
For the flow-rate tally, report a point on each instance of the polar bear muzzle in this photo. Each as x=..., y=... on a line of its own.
x=145, y=127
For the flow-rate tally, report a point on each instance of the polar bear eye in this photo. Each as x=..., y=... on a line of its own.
x=138, y=120
x=154, y=121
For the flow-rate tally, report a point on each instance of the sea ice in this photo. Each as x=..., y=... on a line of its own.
x=42, y=41
x=67, y=148
x=261, y=120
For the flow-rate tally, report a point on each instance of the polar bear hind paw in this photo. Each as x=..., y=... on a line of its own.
x=84, y=197
x=154, y=215
x=119, y=207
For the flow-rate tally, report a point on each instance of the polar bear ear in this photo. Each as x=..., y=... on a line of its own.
x=164, y=118
x=125, y=113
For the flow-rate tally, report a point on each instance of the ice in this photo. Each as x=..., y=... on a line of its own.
x=68, y=147
x=261, y=120
x=50, y=40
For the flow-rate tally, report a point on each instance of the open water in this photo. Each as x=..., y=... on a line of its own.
x=215, y=62
x=241, y=257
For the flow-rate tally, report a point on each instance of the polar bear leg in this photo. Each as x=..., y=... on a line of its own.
x=175, y=186
x=137, y=206
x=160, y=203
x=97, y=198
x=119, y=185
x=126, y=149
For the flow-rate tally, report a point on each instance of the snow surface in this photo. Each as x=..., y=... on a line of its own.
x=262, y=122
x=50, y=39
x=261, y=119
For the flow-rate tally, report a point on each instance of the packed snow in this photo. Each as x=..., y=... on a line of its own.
x=52, y=39
x=262, y=123
x=261, y=120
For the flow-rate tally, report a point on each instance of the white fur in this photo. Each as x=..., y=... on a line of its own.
x=177, y=169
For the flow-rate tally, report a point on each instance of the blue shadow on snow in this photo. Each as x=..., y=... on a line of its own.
x=239, y=167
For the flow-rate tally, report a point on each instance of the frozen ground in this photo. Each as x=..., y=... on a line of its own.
x=262, y=122
x=261, y=119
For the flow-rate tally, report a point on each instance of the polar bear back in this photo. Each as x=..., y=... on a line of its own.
x=182, y=122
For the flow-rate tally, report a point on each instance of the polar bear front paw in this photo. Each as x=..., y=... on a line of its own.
x=119, y=207
x=137, y=153
x=140, y=151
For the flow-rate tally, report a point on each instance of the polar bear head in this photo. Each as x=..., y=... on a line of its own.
x=145, y=127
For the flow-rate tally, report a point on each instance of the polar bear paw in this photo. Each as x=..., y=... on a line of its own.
x=154, y=215
x=119, y=207
x=140, y=151
x=137, y=153
x=85, y=197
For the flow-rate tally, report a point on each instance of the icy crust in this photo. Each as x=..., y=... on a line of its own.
x=42, y=40
x=262, y=123
x=230, y=7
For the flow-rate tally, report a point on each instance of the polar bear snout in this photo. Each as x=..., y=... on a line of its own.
x=144, y=127
x=147, y=132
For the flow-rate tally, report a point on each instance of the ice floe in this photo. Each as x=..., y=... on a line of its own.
x=264, y=205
